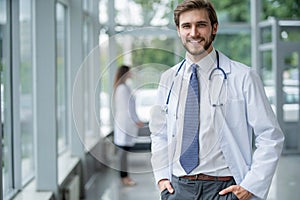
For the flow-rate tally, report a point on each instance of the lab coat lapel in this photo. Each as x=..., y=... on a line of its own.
x=175, y=91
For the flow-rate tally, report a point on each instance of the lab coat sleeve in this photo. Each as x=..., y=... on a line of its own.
x=268, y=137
x=159, y=138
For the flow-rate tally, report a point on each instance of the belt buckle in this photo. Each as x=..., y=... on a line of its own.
x=196, y=176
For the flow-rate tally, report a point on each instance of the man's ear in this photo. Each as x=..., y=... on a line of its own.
x=215, y=28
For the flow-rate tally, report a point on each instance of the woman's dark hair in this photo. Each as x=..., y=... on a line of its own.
x=121, y=75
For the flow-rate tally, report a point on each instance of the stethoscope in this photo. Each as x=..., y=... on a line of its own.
x=218, y=68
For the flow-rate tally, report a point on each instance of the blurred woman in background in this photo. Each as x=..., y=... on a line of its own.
x=126, y=121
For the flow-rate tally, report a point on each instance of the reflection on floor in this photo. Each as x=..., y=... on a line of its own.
x=286, y=182
x=106, y=184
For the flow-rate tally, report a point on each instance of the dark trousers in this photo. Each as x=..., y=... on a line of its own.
x=123, y=160
x=198, y=190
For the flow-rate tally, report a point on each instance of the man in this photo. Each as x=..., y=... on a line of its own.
x=229, y=105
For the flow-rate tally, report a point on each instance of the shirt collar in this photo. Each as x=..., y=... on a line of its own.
x=205, y=64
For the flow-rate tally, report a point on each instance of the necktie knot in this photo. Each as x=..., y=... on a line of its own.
x=194, y=68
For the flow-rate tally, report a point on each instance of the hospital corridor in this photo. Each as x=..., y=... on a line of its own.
x=82, y=82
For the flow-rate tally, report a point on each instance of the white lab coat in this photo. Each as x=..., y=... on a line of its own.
x=125, y=117
x=246, y=110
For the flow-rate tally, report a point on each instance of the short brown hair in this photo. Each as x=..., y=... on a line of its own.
x=187, y=5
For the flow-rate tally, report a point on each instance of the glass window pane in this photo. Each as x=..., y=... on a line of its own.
x=85, y=5
x=281, y=9
x=160, y=12
x=139, y=12
x=85, y=37
x=291, y=88
x=235, y=46
x=266, y=34
x=148, y=56
x=128, y=13
x=26, y=90
x=228, y=11
x=6, y=123
x=268, y=78
x=103, y=11
x=290, y=33
x=105, y=101
x=61, y=81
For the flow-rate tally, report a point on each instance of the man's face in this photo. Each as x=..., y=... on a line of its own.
x=196, y=32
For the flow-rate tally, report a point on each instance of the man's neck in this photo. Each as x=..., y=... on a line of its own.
x=197, y=58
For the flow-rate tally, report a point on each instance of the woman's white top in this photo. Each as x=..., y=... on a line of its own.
x=125, y=117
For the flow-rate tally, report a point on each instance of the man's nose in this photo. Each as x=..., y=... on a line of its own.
x=194, y=31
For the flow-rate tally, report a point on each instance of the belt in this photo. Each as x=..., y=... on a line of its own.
x=203, y=177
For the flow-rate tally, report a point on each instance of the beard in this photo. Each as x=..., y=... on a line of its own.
x=194, y=51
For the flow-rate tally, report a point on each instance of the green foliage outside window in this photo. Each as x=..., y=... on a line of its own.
x=236, y=45
x=281, y=9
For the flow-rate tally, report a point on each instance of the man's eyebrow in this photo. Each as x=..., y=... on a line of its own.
x=185, y=23
x=202, y=22
x=198, y=22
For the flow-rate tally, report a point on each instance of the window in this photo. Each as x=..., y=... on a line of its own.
x=105, y=101
x=89, y=71
x=6, y=122
x=61, y=74
x=26, y=91
x=137, y=12
x=228, y=11
x=290, y=88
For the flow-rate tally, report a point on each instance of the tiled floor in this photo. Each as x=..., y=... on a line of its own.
x=286, y=182
x=106, y=184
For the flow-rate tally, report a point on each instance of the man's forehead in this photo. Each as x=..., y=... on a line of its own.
x=194, y=15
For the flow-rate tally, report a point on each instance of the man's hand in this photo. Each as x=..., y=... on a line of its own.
x=238, y=191
x=165, y=184
x=140, y=124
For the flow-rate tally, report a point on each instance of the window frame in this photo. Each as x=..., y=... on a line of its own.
x=66, y=134
x=30, y=176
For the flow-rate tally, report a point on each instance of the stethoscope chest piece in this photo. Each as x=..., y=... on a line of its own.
x=217, y=90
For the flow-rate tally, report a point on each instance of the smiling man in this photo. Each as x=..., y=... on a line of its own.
x=197, y=32
x=208, y=107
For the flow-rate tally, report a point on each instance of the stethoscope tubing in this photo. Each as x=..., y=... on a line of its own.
x=210, y=76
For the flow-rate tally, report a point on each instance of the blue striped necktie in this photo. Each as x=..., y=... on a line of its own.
x=189, y=158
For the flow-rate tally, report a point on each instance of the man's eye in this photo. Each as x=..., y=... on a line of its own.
x=201, y=25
